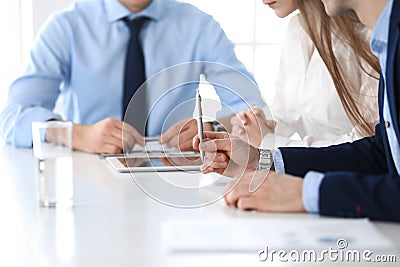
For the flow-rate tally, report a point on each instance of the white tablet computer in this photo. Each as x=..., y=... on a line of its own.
x=153, y=163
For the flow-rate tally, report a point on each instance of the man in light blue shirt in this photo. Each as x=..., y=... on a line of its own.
x=359, y=179
x=80, y=53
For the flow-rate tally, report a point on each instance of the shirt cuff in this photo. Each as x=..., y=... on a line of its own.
x=311, y=185
x=278, y=161
x=22, y=132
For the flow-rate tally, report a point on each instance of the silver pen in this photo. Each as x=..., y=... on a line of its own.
x=199, y=121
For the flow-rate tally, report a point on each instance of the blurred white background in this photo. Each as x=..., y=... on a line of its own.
x=253, y=27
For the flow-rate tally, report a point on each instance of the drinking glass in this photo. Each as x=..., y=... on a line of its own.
x=52, y=149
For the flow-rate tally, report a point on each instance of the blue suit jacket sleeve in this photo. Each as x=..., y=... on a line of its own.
x=366, y=155
x=357, y=181
x=353, y=194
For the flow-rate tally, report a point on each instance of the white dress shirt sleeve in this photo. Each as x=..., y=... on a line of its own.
x=306, y=107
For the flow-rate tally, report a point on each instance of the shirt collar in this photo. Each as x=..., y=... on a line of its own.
x=116, y=11
x=380, y=34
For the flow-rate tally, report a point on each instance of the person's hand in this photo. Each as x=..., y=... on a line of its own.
x=226, y=155
x=181, y=134
x=251, y=126
x=106, y=136
x=266, y=191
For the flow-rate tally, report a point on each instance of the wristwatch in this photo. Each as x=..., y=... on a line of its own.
x=217, y=127
x=266, y=160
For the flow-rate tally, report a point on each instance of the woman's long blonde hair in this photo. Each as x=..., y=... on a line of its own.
x=347, y=29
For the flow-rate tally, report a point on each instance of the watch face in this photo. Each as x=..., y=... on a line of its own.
x=218, y=127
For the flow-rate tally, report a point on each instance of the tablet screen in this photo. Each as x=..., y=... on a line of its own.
x=162, y=163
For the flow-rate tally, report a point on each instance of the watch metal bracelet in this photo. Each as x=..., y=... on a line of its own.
x=266, y=159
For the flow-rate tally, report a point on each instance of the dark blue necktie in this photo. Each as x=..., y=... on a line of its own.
x=134, y=76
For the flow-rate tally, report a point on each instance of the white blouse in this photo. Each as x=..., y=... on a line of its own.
x=306, y=106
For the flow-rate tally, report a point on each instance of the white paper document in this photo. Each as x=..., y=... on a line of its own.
x=252, y=235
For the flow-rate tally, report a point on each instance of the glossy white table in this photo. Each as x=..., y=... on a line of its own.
x=113, y=223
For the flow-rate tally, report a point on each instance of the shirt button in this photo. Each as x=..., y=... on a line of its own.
x=387, y=124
